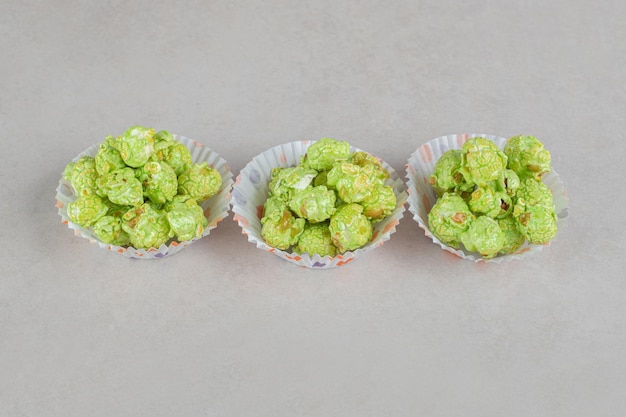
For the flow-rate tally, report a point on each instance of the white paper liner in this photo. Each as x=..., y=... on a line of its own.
x=215, y=208
x=250, y=193
x=420, y=166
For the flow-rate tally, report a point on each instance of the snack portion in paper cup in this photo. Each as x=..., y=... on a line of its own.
x=318, y=204
x=145, y=193
x=486, y=198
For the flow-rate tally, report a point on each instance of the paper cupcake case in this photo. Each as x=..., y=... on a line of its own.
x=421, y=195
x=250, y=193
x=215, y=208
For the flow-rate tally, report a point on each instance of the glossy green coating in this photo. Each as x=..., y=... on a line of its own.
x=147, y=226
x=282, y=232
x=484, y=236
x=513, y=237
x=86, y=210
x=352, y=182
x=537, y=224
x=446, y=175
x=135, y=146
x=109, y=230
x=185, y=217
x=323, y=154
x=121, y=187
x=482, y=162
x=83, y=175
x=315, y=204
x=380, y=203
x=527, y=156
x=349, y=228
x=159, y=181
x=284, y=181
x=449, y=218
x=108, y=159
x=316, y=239
x=200, y=182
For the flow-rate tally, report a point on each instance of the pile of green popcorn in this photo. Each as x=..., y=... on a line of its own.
x=493, y=200
x=141, y=189
x=327, y=204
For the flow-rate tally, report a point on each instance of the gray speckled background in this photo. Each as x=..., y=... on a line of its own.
x=224, y=329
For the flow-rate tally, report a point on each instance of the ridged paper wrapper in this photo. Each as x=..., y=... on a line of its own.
x=421, y=165
x=215, y=208
x=251, y=191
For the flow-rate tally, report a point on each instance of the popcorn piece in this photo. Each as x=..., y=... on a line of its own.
x=323, y=154
x=484, y=236
x=513, y=238
x=449, y=218
x=380, y=203
x=282, y=232
x=108, y=159
x=159, y=181
x=86, y=210
x=135, y=146
x=147, y=226
x=446, y=175
x=349, y=228
x=527, y=156
x=284, y=181
x=315, y=204
x=482, y=162
x=109, y=230
x=353, y=183
x=121, y=187
x=316, y=239
x=82, y=174
x=200, y=182
x=185, y=217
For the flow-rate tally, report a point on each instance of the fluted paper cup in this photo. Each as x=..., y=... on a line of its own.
x=420, y=166
x=215, y=208
x=251, y=190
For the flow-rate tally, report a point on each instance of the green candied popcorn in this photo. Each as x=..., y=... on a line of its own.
x=108, y=159
x=353, y=183
x=323, y=154
x=503, y=208
x=82, y=175
x=186, y=217
x=509, y=182
x=159, y=181
x=284, y=181
x=483, y=236
x=147, y=226
x=109, y=230
x=273, y=208
x=449, y=218
x=513, y=238
x=371, y=165
x=483, y=200
x=481, y=161
x=135, y=146
x=537, y=224
x=115, y=210
x=533, y=193
x=178, y=157
x=527, y=156
x=86, y=210
x=446, y=175
x=380, y=203
x=315, y=204
x=282, y=231
x=316, y=239
x=121, y=187
x=321, y=179
x=349, y=228
x=199, y=181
